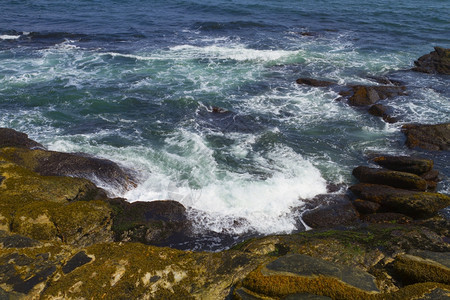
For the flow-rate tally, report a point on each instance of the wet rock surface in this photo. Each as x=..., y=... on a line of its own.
x=332, y=210
x=437, y=61
x=428, y=137
x=11, y=138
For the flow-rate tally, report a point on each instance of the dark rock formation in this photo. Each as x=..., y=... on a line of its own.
x=437, y=61
x=423, y=266
x=155, y=222
x=11, y=138
x=388, y=217
x=408, y=164
x=429, y=137
x=380, y=110
x=76, y=261
x=314, y=82
x=411, y=203
x=333, y=210
x=396, y=179
x=366, y=207
x=361, y=95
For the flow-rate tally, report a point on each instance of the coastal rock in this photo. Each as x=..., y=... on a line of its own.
x=396, y=179
x=361, y=95
x=314, y=82
x=11, y=138
x=296, y=274
x=366, y=207
x=154, y=222
x=411, y=203
x=428, y=137
x=408, y=164
x=437, y=61
x=380, y=110
x=51, y=163
x=381, y=218
x=333, y=210
x=423, y=266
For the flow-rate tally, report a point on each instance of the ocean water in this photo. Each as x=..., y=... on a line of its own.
x=136, y=82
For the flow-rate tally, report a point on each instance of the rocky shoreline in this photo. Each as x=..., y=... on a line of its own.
x=62, y=237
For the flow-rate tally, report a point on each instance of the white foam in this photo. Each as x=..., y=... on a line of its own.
x=9, y=37
x=187, y=172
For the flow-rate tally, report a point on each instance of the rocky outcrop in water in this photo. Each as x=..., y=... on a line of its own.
x=429, y=137
x=437, y=61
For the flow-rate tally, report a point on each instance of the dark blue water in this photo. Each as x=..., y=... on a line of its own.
x=136, y=82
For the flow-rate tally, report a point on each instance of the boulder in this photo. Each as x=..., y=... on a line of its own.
x=361, y=95
x=428, y=137
x=52, y=163
x=11, y=138
x=333, y=210
x=423, y=266
x=381, y=218
x=380, y=110
x=297, y=274
x=396, y=179
x=411, y=203
x=154, y=222
x=314, y=82
x=408, y=164
x=366, y=207
x=437, y=61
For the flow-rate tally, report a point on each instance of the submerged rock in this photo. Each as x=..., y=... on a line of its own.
x=380, y=110
x=437, y=61
x=314, y=82
x=429, y=137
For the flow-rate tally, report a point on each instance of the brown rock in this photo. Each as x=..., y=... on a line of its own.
x=396, y=179
x=380, y=110
x=366, y=207
x=429, y=137
x=437, y=61
x=414, y=204
x=314, y=82
x=417, y=166
x=368, y=95
x=11, y=138
x=380, y=218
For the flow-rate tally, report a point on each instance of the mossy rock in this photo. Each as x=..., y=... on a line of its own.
x=77, y=223
x=280, y=286
x=418, y=205
x=408, y=164
x=395, y=179
x=21, y=186
x=423, y=267
x=80, y=165
x=137, y=271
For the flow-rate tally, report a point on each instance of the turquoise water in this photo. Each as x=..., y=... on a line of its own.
x=136, y=81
